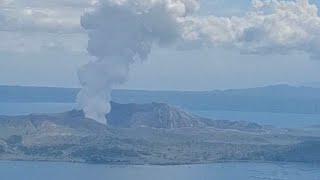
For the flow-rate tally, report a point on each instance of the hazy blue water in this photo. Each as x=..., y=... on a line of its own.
x=276, y=119
x=221, y=171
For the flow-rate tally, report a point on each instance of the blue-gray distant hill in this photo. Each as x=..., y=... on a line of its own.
x=277, y=98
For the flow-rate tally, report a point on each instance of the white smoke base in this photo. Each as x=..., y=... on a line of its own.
x=97, y=79
x=124, y=31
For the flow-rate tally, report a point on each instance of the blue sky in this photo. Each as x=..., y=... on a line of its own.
x=46, y=46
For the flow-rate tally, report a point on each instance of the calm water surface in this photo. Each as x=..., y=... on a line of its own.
x=220, y=171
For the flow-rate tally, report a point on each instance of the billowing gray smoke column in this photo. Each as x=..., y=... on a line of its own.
x=124, y=31
x=121, y=32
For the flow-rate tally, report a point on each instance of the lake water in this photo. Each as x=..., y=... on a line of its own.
x=221, y=171
x=284, y=120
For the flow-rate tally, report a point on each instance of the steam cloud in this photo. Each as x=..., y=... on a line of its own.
x=124, y=31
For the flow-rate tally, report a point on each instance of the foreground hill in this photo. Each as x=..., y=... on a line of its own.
x=150, y=134
x=278, y=98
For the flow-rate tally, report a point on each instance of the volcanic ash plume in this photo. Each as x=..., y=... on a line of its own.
x=123, y=31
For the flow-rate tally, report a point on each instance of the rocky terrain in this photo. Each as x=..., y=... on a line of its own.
x=150, y=134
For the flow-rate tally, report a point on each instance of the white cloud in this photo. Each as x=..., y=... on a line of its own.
x=32, y=25
x=20, y=16
x=224, y=7
x=271, y=26
x=54, y=3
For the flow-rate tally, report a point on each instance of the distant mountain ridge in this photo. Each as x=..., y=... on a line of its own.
x=281, y=90
x=277, y=98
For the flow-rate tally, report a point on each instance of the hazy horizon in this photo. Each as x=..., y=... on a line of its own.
x=308, y=85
